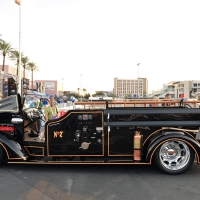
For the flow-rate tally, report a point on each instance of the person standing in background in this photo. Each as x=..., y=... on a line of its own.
x=45, y=102
x=51, y=111
x=41, y=110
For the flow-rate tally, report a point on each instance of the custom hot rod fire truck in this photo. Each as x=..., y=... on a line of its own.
x=117, y=133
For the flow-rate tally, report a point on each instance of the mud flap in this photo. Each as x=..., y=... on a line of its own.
x=13, y=146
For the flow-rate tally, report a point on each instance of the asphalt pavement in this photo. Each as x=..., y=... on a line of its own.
x=96, y=182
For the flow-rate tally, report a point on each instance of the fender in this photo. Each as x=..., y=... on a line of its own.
x=13, y=146
x=174, y=136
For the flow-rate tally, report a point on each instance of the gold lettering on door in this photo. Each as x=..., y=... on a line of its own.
x=57, y=134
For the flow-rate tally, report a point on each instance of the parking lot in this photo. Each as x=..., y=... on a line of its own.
x=96, y=182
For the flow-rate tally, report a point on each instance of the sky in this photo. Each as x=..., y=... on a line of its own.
x=90, y=42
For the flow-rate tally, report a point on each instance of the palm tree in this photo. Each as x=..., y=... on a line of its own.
x=78, y=91
x=84, y=90
x=5, y=49
x=15, y=55
x=25, y=61
x=32, y=67
x=1, y=40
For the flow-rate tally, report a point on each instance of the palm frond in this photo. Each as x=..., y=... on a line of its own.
x=5, y=48
x=32, y=66
x=15, y=55
x=25, y=60
x=1, y=40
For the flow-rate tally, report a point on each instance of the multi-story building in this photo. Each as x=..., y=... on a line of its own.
x=179, y=89
x=138, y=87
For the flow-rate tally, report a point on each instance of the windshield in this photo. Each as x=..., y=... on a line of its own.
x=32, y=100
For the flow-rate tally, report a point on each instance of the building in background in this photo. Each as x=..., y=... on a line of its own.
x=123, y=87
x=179, y=89
x=50, y=87
x=13, y=70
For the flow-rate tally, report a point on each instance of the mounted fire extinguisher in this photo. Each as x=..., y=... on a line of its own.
x=137, y=152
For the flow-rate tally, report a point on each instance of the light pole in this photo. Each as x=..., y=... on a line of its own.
x=62, y=85
x=81, y=86
x=138, y=78
x=19, y=2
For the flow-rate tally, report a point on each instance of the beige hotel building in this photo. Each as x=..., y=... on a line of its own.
x=123, y=87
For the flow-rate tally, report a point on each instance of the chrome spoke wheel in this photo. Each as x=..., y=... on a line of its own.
x=174, y=156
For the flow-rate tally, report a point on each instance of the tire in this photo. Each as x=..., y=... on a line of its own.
x=3, y=157
x=174, y=157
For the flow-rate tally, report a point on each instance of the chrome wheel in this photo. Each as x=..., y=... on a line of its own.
x=174, y=157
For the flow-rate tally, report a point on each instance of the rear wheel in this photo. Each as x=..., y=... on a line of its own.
x=174, y=157
x=3, y=157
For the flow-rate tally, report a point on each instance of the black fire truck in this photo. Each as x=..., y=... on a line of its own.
x=119, y=133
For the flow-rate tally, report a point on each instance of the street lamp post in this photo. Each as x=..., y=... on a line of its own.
x=19, y=2
x=138, y=78
x=62, y=85
x=20, y=33
x=81, y=86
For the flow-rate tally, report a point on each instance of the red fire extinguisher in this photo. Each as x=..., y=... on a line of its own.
x=137, y=152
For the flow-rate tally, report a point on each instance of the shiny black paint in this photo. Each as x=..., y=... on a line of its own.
x=13, y=148
x=70, y=126
x=116, y=144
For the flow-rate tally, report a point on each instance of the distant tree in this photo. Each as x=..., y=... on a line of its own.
x=76, y=95
x=84, y=91
x=99, y=92
x=78, y=89
x=31, y=66
x=5, y=49
x=25, y=61
x=112, y=95
x=15, y=56
x=127, y=96
x=86, y=96
x=66, y=93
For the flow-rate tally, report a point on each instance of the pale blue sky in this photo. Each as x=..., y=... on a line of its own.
x=103, y=39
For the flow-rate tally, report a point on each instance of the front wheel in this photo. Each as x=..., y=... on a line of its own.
x=174, y=157
x=3, y=157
